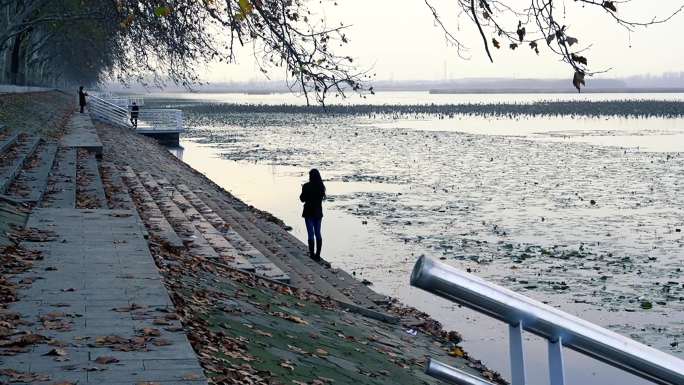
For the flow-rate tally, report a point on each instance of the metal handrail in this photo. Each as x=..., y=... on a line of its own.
x=152, y=119
x=446, y=373
x=116, y=110
x=558, y=327
x=106, y=111
x=126, y=101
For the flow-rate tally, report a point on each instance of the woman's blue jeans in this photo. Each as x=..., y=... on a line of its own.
x=313, y=228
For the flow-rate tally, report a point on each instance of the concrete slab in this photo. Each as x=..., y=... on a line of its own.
x=62, y=181
x=8, y=172
x=30, y=184
x=95, y=292
x=90, y=189
x=82, y=134
x=6, y=143
x=156, y=221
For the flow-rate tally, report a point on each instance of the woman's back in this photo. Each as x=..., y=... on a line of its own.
x=312, y=195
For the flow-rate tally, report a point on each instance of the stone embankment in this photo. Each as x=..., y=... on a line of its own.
x=121, y=264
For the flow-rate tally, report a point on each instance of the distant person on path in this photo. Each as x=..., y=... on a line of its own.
x=82, y=98
x=313, y=194
x=134, y=114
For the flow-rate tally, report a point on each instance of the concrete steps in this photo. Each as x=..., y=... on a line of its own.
x=90, y=190
x=339, y=278
x=190, y=236
x=8, y=140
x=30, y=185
x=227, y=253
x=61, y=192
x=262, y=266
x=153, y=217
x=115, y=190
x=200, y=237
x=14, y=158
x=302, y=274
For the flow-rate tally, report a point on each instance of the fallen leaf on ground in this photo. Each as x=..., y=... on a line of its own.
x=120, y=344
x=150, y=332
x=133, y=306
x=290, y=317
x=56, y=352
x=191, y=376
x=94, y=368
x=297, y=350
x=17, y=376
x=161, y=342
x=104, y=360
x=287, y=365
x=25, y=340
x=263, y=333
x=457, y=352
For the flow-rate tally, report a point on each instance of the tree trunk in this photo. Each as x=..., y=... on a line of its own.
x=14, y=60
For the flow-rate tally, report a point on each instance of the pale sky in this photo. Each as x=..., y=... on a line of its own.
x=398, y=40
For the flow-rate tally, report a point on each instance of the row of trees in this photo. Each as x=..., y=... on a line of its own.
x=52, y=42
x=86, y=41
x=47, y=42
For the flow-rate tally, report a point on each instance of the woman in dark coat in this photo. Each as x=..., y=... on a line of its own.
x=82, y=98
x=313, y=194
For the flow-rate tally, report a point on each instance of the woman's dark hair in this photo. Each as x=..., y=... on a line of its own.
x=316, y=180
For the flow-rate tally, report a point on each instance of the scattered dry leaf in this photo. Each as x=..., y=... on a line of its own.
x=104, y=360
x=56, y=352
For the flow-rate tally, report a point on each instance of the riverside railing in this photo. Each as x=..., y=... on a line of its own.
x=560, y=329
x=108, y=112
x=160, y=120
x=116, y=110
x=126, y=101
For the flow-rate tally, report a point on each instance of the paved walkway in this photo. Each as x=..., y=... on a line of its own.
x=97, y=293
x=82, y=134
x=12, y=89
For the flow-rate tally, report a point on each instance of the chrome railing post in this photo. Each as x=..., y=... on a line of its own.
x=451, y=375
x=517, y=354
x=547, y=322
x=556, y=364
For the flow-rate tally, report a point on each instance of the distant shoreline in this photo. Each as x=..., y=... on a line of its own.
x=466, y=91
x=624, y=108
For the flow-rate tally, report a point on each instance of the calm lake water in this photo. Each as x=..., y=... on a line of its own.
x=585, y=214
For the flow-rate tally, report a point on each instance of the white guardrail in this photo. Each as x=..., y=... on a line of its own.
x=125, y=102
x=158, y=120
x=117, y=111
x=108, y=112
x=560, y=329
